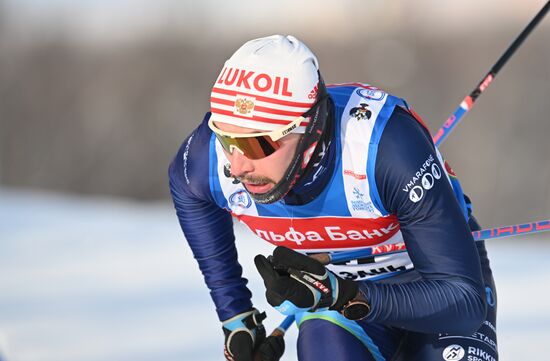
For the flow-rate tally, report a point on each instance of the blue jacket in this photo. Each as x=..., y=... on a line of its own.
x=443, y=293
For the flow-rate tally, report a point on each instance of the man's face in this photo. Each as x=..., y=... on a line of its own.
x=261, y=175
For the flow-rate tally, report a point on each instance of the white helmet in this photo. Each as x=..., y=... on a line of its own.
x=266, y=84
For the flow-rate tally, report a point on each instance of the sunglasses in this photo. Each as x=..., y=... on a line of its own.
x=254, y=145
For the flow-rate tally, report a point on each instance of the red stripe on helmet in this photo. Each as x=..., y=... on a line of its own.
x=254, y=118
x=258, y=108
x=264, y=98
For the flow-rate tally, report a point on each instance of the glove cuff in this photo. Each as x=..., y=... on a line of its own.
x=236, y=328
x=249, y=320
x=347, y=290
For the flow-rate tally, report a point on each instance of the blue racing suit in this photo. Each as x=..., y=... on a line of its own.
x=380, y=182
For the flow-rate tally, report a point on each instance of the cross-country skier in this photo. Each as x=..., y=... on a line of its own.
x=313, y=168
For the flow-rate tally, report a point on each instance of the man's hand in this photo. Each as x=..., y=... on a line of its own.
x=272, y=348
x=296, y=283
x=245, y=339
x=243, y=334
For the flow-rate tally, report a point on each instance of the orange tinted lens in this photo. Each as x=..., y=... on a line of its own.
x=252, y=147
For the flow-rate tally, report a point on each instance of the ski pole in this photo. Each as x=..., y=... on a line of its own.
x=517, y=229
x=383, y=250
x=283, y=327
x=469, y=101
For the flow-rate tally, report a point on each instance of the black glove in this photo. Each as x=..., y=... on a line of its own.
x=296, y=283
x=245, y=339
x=271, y=349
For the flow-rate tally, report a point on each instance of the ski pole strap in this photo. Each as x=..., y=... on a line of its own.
x=469, y=100
x=314, y=282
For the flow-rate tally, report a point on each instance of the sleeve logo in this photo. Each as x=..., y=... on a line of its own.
x=426, y=175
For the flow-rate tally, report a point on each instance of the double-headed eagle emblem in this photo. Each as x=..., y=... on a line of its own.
x=244, y=106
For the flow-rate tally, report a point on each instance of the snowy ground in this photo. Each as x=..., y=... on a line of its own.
x=87, y=279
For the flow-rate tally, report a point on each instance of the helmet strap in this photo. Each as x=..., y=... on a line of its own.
x=308, y=146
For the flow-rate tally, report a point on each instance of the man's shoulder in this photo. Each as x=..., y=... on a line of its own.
x=403, y=128
x=190, y=166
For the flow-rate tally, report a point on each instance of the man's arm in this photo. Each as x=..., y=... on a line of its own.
x=207, y=228
x=447, y=294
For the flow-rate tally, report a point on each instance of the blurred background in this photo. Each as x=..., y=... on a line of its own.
x=96, y=96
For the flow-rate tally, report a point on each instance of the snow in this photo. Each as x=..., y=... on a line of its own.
x=93, y=279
